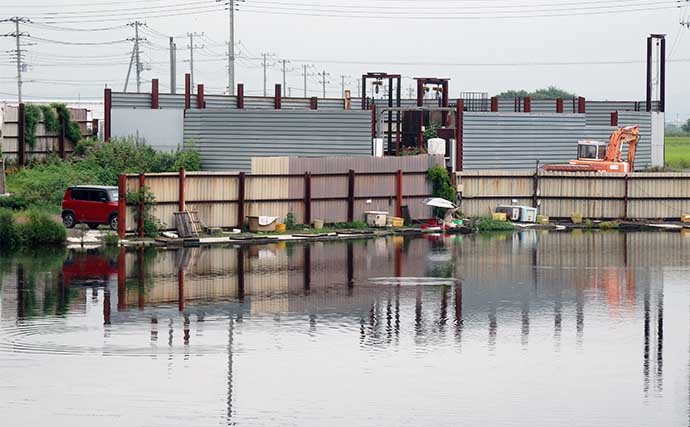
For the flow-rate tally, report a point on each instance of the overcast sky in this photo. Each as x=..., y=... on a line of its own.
x=482, y=45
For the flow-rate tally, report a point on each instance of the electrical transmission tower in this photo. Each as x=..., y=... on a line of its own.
x=324, y=81
x=136, y=55
x=191, y=48
x=18, y=52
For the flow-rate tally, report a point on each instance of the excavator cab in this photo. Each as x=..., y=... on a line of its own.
x=591, y=150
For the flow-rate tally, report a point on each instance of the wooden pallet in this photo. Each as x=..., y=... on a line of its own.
x=188, y=224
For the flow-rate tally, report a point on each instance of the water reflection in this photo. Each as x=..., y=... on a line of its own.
x=470, y=301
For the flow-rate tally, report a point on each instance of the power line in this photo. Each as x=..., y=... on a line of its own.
x=305, y=75
x=191, y=46
x=324, y=76
x=19, y=52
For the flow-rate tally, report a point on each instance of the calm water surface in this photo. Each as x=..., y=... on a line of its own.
x=532, y=329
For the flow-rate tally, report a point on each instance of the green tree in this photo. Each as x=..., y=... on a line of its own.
x=550, y=92
x=686, y=126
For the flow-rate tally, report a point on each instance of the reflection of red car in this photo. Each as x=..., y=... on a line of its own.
x=91, y=204
x=87, y=268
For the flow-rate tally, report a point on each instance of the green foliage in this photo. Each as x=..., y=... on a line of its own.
x=290, y=222
x=41, y=230
x=111, y=239
x=144, y=195
x=431, y=131
x=440, y=182
x=686, y=126
x=608, y=225
x=13, y=202
x=50, y=119
x=9, y=236
x=412, y=151
x=72, y=129
x=550, y=92
x=32, y=115
x=489, y=224
x=44, y=184
x=588, y=223
x=351, y=225
x=84, y=146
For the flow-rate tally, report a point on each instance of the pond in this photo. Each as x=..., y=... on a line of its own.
x=526, y=329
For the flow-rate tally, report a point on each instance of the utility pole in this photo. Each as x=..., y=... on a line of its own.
x=231, y=48
x=342, y=85
x=284, y=62
x=191, y=47
x=19, y=52
x=323, y=81
x=305, y=74
x=136, y=55
x=265, y=66
x=173, y=67
x=359, y=88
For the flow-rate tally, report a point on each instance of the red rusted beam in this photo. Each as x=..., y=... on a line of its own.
x=107, y=118
x=187, y=91
x=240, y=96
x=494, y=104
x=372, y=107
x=351, y=196
x=559, y=105
x=106, y=305
x=581, y=105
x=278, y=97
x=181, y=184
x=154, y=95
x=200, y=102
x=240, y=200
x=180, y=289
x=121, y=206
x=142, y=205
x=614, y=118
x=528, y=105
x=307, y=198
x=94, y=128
x=459, y=109
x=398, y=193
x=314, y=103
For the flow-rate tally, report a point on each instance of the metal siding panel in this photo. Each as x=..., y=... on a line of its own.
x=643, y=158
x=170, y=101
x=221, y=101
x=228, y=139
x=131, y=100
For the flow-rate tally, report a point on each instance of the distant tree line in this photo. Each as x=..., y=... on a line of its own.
x=551, y=92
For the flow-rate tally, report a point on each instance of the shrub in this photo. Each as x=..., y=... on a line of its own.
x=354, y=224
x=111, y=239
x=32, y=115
x=440, y=182
x=9, y=237
x=135, y=198
x=609, y=225
x=290, y=223
x=41, y=230
x=13, y=202
x=84, y=146
x=490, y=224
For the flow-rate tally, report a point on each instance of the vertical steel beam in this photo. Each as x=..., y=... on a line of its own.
x=155, y=100
x=662, y=77
x=187, y=91
x=180, y=288
x=649, y=73
x=581, y=105
x=200, y=102
x=240, y=200
x=398, y=193
x=307, y=198
x=278, y=97
x=121, y=280
x=240, y=274
x=181, y=205
x=107, y=118
x=240, y=96
x=559, y=105
x=314, y=103
x=351, y=196
x=494, y=104
x=420, y=93
x=121, y=206
x=528, y=105
x=614, y=118
x=142, y=205
x=459, y=109
x=94, y=128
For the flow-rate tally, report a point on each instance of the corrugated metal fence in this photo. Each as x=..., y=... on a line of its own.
x=594, y=195
x=224, y=199
x=518, y=140
x=228, y=139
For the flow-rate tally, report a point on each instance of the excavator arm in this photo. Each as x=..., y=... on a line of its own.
x=626, y=135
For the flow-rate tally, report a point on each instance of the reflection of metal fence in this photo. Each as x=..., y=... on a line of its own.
x=594, y=195
x=225, y=199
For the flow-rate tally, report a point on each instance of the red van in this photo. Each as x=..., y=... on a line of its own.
x=90, y=204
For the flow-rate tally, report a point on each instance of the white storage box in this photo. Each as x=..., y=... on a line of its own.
x=376, y=218
x=528, y=214
x=512, y=212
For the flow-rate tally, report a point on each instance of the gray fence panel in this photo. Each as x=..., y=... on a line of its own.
x=221, y=101
x=518, y=140
x=296, y=103
x=131, y=100
x=259, y=102
x=643, y=156
x=228, y=139
x=544, y=106
x=169, y=101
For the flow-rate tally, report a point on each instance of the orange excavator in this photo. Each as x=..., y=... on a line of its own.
x=594, y=156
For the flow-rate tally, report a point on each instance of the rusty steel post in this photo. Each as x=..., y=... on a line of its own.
x=121, y=206
x=187, y=91
x=314, y=103
x=650, y=41
x=581, y=105
x=155, y=98
x=494, y=104
x=459, y=108
x=614, y=118
x=559, y=105
x=278, y=97
x=181, y=196
x=307, y=198
x=142, y=205
x=240, y=200
x=107, y=118
x=351, y=196
x=180, y=289
x=200, y=102
x=240, y=274
x=240, y=96
x=528, y=105
x=398, y=193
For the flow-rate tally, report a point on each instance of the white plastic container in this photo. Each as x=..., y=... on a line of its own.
x=376, y=218
x=528, y=214
x=512, y=212
x=436, y=146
